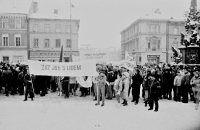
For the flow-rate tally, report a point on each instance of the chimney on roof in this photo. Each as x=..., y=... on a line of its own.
x=55, y=11
x=35, y=7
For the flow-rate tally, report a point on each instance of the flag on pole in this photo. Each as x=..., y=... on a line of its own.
x=128, y=57
x=157, y=11
x=61, y=54
x=72, y=5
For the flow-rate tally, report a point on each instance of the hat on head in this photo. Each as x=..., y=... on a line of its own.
x=126, y=74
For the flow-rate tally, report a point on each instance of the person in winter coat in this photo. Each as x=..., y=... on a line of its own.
x=195, y=82
x=117, y=88
x=124, y=86
x=177, y=84
x=7, y=76
x=146, y=87
x=154, y=92
x=28, y=85
x=186, y=86
x=101, y=88
x=137, y=81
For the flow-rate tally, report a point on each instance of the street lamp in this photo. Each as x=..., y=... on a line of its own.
x=70, y=32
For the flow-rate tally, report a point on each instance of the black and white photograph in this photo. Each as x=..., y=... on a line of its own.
x=99, y=64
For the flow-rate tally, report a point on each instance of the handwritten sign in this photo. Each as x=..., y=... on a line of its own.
x=62, y=69
x=98, y=56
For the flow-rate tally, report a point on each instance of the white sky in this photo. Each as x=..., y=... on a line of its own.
x=102, y=20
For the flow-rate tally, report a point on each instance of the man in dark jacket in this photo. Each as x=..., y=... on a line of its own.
x=65, y=84
x=7, y=75
x=28, y=85
x=167, y=86
x=21, y=81
x=154, y=92
x=137, y=81
x=14, y=83
x=109, y=88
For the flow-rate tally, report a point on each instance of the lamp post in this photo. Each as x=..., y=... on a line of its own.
x=70, y=32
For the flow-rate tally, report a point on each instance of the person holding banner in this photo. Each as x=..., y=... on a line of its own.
x=101, y=88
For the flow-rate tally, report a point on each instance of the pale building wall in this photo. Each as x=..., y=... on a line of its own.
x=12, y=51
x=52, y=35
x=12, y=54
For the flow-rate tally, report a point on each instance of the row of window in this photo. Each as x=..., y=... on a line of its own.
x=15, y=59
x=47, y=28
x=151, y=29
x=5, y=40
x=47, y=43
x=17, y=23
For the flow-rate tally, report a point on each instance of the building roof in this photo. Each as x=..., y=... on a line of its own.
x=50, y=15
x=155, y=16
x=15, y=6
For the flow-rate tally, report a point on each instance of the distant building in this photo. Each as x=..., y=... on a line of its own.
x=48, y=32
x=26, y=33
x=13, y=34
x=149, y=39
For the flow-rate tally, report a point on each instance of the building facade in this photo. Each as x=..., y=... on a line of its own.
x=48, y=34
x=30, y=34
x=13, y=37
x=149, y=39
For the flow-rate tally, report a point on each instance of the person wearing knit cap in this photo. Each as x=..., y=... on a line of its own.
x=124, y=85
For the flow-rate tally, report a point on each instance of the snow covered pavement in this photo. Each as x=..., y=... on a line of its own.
x=53, y=112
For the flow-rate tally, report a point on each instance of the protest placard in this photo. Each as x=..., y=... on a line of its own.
x=98, y=56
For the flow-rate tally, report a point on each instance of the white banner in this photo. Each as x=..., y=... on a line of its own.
x=98, y=56
x=87, y=68
x=83, y=83
x=75, y=58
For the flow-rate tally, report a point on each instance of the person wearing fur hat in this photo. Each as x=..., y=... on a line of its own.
x=124, y=86
x=101, y=79
x=154, y=92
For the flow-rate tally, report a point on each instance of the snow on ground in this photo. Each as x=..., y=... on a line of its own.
x=53, y=112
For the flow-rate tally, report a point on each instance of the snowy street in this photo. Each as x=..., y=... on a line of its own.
x=56, y=113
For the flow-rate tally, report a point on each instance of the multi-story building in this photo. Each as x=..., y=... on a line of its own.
x=30, y=34
x=149, y=39
x=13, y=35
x=48, y=32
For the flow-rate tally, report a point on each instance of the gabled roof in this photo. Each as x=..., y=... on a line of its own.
x=15, y=6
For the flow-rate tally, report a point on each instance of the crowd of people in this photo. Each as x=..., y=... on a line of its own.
x=178, y=83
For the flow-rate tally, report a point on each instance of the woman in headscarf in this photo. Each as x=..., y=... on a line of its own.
x=195, y=82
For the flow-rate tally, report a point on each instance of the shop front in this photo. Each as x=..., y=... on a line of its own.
x=51, y=56
x=153, y=59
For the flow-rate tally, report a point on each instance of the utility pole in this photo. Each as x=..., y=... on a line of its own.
x=70, y=32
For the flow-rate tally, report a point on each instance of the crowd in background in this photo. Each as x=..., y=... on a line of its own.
x=178, y=83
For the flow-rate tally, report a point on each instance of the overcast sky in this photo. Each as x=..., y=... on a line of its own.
x=102, y=20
